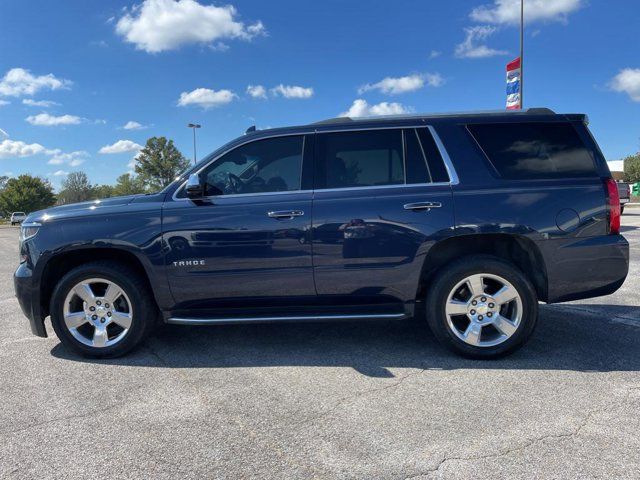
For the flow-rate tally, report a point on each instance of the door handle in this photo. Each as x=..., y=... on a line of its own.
x=285, y=214
x=422, y=206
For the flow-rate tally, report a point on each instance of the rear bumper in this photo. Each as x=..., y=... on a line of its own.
x=586, y=268
x=28, y=298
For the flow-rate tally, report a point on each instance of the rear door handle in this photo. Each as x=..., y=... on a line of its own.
x=422, y=206
x=285, y=214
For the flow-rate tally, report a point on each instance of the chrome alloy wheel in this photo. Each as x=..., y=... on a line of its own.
x=97, y=312
x=484, y=310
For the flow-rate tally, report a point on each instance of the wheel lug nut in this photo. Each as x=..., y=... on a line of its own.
x=489, y=314
x=102, y=320
x=474, y=303
x=473, y=312
x=93, y=309
x=108, y=314
x=94, y=317
x=480, y=317
x=98, y=303
x=491, y=305
x=484, y=299
x=106, y=305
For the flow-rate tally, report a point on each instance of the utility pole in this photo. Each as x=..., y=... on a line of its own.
x=522, y=54
x=193, y=126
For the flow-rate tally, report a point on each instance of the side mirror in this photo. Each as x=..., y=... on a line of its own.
x=195, y=187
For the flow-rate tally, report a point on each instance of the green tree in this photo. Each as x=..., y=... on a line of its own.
x=75, y=188
x=3, y=181
x=159, y=163
x=102, y=191
x=128, y=184
x=632, y=168
x=26, y=194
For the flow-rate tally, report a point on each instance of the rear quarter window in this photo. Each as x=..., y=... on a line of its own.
x=527, y=150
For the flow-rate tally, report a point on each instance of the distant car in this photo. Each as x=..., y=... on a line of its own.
x=624, y=192
x=18, y=217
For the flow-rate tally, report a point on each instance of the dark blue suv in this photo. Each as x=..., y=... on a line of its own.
x=462, y=221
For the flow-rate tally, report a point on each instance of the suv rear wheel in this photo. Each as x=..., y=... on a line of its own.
x=482, y=307
x=101, y=309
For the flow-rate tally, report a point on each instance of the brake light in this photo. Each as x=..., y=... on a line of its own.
x=613, y=199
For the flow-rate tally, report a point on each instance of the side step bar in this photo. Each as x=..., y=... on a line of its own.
x=300, y=318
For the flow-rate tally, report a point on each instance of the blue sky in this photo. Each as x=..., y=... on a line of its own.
x=165, y=63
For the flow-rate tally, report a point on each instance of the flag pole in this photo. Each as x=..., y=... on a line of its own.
x=522, y=54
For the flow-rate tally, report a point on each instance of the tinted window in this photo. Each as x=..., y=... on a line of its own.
x=360, y=159
x=417, y=171
x=534, y=150
x=434, y=159
x=271, y=165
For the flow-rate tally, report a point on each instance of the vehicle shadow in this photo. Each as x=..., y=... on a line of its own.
x=575, y=337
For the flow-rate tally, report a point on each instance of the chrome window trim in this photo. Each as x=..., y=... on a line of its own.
x=453, y=176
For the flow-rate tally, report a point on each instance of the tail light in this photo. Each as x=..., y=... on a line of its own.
x=613, y=199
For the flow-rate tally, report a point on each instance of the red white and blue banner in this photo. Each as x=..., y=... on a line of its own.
x=514, y=84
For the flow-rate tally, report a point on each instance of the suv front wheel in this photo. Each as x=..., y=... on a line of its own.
x=482, y=307
x=101, y=309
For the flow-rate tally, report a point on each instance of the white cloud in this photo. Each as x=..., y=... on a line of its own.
x=160, y=25
x=3, y=133
x=18, y=149
x=508, y=11
x=46, y=120
x=132, y=163
x=616, y=165
x=292, y=91
x=4, y=102
x=121, y=146
x=360, y=108
x=472, y=47
x=72, y=159
x=60, y=173
x=18, y=82
x=206, y=98
x=257, y=91
x=398, y=85
x=39, y=103
x=627, y=81
x=131, y=125
x=434, y=54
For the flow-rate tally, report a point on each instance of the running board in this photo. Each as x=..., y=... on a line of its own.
x=302, y=318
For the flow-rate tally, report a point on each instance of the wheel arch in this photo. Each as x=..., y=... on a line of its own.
x=516, y=249
x=61, y=263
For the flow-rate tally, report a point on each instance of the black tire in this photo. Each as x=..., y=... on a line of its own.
x=135, y=287
x=445, y=281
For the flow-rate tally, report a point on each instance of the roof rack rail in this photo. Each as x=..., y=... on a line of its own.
x=541, y=111
x=344, y=120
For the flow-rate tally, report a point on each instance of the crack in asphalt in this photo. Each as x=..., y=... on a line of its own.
x=311, y=469
x=358, y=395
x=529, y=443
x=61, y=419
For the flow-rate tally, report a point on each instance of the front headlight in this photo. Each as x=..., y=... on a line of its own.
x=29, y=230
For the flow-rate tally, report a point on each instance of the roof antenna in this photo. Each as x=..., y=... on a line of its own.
x=252, y=128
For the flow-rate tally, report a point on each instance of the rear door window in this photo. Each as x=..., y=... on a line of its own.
x=534, y=150
x=370, y=158
x=362, y=159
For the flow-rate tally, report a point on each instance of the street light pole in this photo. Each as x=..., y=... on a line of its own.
x=193, y=126
x=522, y=54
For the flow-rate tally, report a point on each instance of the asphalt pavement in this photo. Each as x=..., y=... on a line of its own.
x=356, y=400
